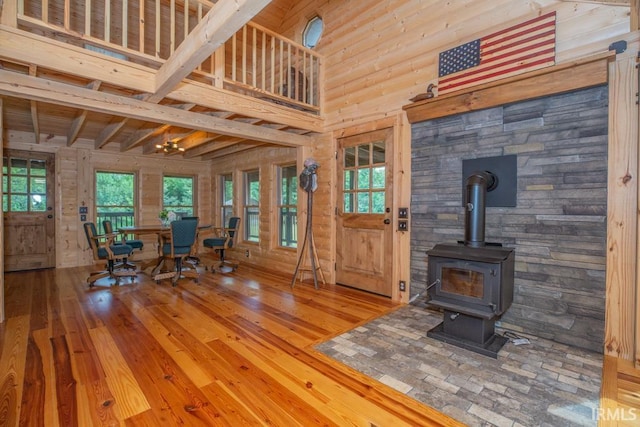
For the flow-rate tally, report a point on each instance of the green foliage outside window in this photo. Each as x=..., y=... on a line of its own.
x=177, y=195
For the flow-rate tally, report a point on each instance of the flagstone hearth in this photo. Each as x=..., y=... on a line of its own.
x=542, y=383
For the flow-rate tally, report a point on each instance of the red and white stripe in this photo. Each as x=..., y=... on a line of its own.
x=528, y=46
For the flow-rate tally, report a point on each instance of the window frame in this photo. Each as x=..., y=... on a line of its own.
x=249, y=207
x=310, y=27
x=30, y=196
x=291, y=207
x=194, y=192
x=129, y=220
x=226, y=210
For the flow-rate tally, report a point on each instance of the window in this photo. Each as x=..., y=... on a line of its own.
x=251, y=206
x=177, y=195
x=115, y=196
x=24, y=185
x=226, y=198
x=364, y=178
x=312, y=32
x=287, y=206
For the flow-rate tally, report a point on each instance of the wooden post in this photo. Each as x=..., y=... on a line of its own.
x=621, y=339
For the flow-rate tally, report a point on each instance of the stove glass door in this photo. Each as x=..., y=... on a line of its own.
x=464, y=282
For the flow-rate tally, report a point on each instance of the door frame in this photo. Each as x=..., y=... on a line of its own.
x=49, y=215
x=401, y=158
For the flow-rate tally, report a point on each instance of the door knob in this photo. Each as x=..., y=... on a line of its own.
x=387, y=221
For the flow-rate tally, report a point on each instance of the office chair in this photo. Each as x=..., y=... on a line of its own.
x=175, y=246
x=224, y=240
x=134, y=243
x=104, y=249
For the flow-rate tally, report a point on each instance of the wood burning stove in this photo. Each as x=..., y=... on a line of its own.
x=472, y=281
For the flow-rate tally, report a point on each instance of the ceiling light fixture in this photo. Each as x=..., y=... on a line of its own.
x=169, y=147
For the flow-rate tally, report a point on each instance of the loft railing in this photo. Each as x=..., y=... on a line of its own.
x=255, y=61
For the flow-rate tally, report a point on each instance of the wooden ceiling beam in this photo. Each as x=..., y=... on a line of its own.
x=33, y=71
x=78, y=121
x=234, y=149
x=218, y=25
x=213, y=145
x=33, y=88
x=142, y=134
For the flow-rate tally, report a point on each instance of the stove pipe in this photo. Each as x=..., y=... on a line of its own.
x=477, y=185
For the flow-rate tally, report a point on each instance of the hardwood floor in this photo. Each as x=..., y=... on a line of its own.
x=235, y=349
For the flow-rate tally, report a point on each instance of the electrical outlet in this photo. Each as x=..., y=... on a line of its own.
x=403, y=286
x=247, y=253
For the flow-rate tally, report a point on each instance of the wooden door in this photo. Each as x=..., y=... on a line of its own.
x=364, y=230
x=28, y=206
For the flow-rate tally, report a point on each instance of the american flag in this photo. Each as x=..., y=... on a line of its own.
x=524, y=47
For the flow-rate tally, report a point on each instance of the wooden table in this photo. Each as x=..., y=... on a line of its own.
x=157, y=229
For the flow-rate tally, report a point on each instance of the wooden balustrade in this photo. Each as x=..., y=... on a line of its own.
x=259, y=60
x=254, y=61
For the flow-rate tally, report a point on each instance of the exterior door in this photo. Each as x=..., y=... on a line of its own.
x=364, y=231
x=28, y=206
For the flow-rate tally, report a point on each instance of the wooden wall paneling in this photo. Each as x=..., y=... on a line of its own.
x=85, y=196
x=622, y=216
x=367, y=78
x=266, y=253
x=401, y=198
x=9, y=13
x=75, y=168
x=2, y=313
x=324, y=204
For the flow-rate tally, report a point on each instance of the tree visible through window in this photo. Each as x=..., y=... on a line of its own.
x=364, y=178
x=288, y=206
x=24, y=185
x=252, y=206
x=177, y=195
x=115, y=198
x=226, y=197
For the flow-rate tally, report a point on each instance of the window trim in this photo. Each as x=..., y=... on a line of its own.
x=136, y=202
x=246, y=206
x=221, y=195
x=311, y=23
x=292, y=206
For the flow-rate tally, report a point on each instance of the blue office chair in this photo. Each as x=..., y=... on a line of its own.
x=104, y=249
x=134, y=243
x=176, y=246
x=224, y=240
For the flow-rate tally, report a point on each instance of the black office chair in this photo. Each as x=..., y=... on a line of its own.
x=176, y=246
x=224, y=240
x=103, y=249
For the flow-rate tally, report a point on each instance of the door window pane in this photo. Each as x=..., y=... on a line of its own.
x=365, y=179
x=24, y=185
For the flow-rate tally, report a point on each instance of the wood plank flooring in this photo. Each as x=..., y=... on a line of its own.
x=235, y=349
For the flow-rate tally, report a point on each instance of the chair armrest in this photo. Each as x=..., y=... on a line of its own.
x=215, y=231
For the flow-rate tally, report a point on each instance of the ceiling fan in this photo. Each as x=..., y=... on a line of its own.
x=169, y=147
